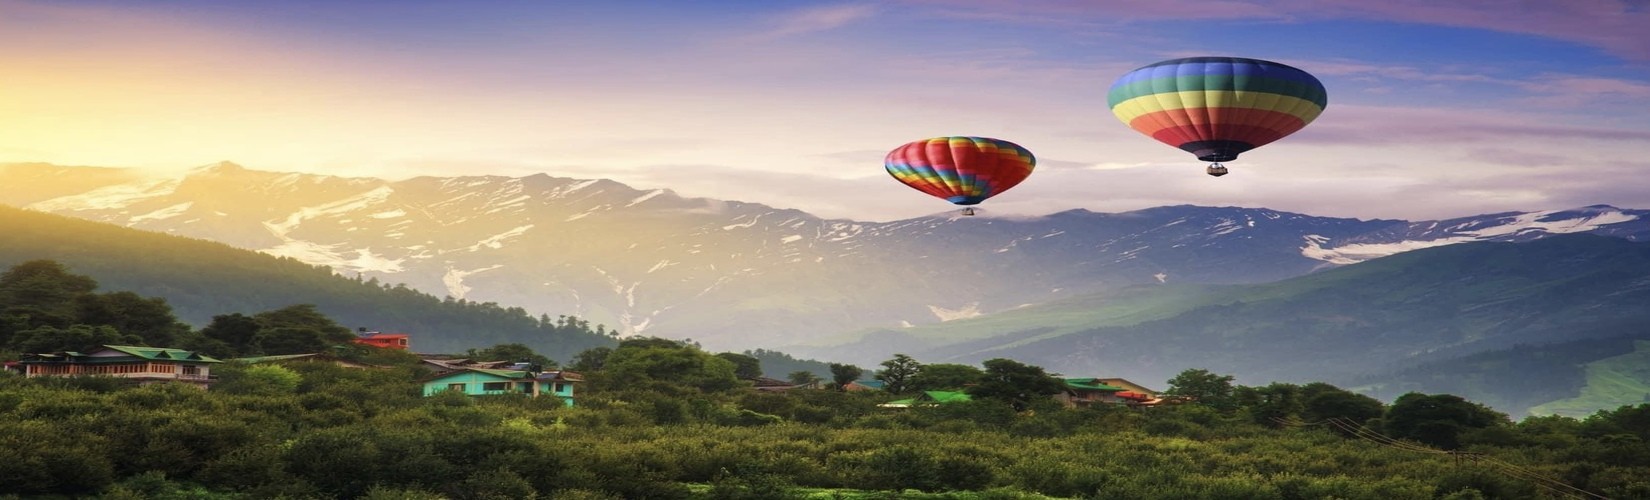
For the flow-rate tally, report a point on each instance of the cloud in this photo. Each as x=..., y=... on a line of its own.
x=812, y=20
x=1389, y=125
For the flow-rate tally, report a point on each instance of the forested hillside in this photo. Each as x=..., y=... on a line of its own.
x=659, y=419
x=200, y=279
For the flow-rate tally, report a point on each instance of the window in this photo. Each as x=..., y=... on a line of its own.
x=558, y=387
x=495, y=386
x=191, y=370
x=456, y=387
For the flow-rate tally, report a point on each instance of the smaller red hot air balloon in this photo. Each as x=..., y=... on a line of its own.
x=961, y=170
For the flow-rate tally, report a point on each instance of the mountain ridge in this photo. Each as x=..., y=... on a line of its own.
x=728, y=272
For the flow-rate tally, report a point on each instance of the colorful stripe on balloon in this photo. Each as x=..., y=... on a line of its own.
x=1217, y=107
x=961, y=170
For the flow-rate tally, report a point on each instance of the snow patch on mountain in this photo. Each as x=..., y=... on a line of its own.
x=508, y=204
x=650, y=195
x=390, y=214
x=969, y=311
x=363, y=260
x=454, y=280
x=1534, y=221
x=1359, y=252
x=163, y=214
x=1522, y=224
x=346, y=205
x=790, y=239
x=109, y=197
x=497, y=241
x=752, y=222
x=1226, y=226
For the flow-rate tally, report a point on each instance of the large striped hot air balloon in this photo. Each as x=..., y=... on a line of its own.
x=1217, y=107
x=961, y=170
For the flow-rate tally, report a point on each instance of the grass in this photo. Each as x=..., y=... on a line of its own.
x=1611, y=383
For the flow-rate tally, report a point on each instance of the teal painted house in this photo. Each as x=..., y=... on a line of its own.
x=482, y=381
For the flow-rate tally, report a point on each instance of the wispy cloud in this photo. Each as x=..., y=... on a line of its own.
x=813, y=20
x=1411, y=126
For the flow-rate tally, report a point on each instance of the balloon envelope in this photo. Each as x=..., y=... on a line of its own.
x=1217, y=107
x=961, y=170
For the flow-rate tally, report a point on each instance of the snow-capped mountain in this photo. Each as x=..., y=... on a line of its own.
x=729, y=273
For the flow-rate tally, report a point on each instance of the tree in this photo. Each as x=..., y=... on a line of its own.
x=148, y=318
x=896, y=373
x=79, y=338
x=591, y=359
x=39, y=293
x=802, y=377
x=642, y=365
x=1437, y=420
x=299, y=329
x=236, y=331
x=1015, y=383
x=945, y=376
x=843, y=374
x=259, y=379
x=745, y=367
x=44, y=290
x=1324, y=402
x=1204, y=387
x=1272, y=404
x=512, y=352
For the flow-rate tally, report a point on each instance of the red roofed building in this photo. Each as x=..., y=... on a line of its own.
x=384, y=340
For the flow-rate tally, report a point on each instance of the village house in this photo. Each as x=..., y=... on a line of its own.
x=384, y=340
x=441, y=365
x=1088, y=391
x=1131, y=390
x=146, y=365
x=485, y=381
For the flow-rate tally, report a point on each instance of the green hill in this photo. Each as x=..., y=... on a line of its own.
x=201, y=279
x=1572, y=378
x=1609, y=383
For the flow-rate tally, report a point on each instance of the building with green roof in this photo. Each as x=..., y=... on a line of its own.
x=1089, y=391
x=484, y=381
x=146, y=365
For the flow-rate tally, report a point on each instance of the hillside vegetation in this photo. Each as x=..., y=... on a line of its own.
x=665, y=420
x=1614, y=381
x=200, y=279
x=1350, y=324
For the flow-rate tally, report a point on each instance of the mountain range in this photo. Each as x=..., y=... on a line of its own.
x=730, y=273
x=1264, y=294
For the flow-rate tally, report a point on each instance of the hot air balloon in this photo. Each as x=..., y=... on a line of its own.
x=961, y=170
x=1217, y=107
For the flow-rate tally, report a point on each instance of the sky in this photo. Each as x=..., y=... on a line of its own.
x=1437, y=108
